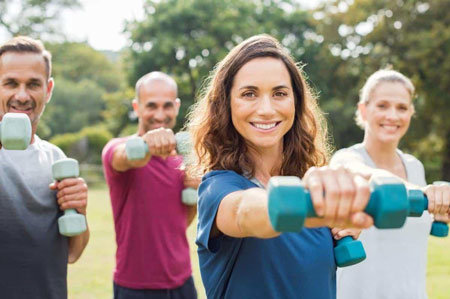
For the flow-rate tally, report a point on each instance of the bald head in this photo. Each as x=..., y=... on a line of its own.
x=152, y=77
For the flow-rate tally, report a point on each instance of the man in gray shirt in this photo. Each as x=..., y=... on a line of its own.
x=33, y=255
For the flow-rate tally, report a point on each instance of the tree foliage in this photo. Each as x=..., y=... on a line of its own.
x=33, y=17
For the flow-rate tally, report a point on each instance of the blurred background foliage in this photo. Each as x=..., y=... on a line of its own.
x=339, y=43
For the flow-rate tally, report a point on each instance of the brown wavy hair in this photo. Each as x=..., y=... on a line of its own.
x=217, y=144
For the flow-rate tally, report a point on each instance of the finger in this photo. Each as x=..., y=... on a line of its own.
x=438, y=201
x=332, y=196
x=315, y=186
x=345, y=181
x=429, y=192
x=70, y=190
x=76, y=204
x=53, y=186
x=362, y=195
x=361, y=220
x=68, y=182
x=446, y=200
x=70, y=198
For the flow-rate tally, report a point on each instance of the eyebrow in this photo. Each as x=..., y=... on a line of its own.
x=254, y=87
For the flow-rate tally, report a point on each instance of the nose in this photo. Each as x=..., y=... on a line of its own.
x=159, y=115
x=265, y=106
x=22, y=95
x=392, y=113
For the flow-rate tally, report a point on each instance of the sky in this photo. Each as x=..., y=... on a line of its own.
x=102, y=28
x=101, y=22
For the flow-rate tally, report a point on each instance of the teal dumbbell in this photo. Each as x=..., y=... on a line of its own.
x=71, y=223
x=15, y=131
x=419, y=203
x=290, y=204
x=136, y=149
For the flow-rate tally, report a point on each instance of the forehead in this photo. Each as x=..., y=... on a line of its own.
x=263, y=71
x=22, y=66
x=391, y=91
x=158, y=91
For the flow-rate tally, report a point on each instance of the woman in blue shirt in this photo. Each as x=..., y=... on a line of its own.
x=258, y=119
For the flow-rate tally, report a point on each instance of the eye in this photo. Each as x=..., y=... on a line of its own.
x=403, y=108
x=249, y=94
x=381, y=106
x=280, y=94
x=33, y=85
x=10, y=83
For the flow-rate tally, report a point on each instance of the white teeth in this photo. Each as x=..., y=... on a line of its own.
x=265, y=126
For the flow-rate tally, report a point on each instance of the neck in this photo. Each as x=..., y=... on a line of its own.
x=381, y=152
x=267, y=161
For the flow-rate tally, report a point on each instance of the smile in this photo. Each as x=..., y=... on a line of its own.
x=265, y=126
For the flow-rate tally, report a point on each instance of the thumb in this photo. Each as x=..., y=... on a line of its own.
x=53, y=186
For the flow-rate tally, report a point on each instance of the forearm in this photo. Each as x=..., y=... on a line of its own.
x=77, y=244
x=121, y=163
x=252, y=216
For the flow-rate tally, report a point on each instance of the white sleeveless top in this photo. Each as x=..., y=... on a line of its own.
x=395, y=267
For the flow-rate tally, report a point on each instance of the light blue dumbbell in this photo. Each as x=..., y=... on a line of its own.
x=136, y=149
x=419, y=204
x=15, y=131
x=71, y=223
x=290, y=204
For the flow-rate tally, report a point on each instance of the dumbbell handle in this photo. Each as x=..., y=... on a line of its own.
x=418, y=203
x=71, y=223
x=136, y=148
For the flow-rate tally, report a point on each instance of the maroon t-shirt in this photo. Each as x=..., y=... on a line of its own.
x=150, y=222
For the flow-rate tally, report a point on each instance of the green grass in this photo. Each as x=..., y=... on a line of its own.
x=91, y=276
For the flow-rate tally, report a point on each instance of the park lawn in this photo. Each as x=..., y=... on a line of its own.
x=91, y=276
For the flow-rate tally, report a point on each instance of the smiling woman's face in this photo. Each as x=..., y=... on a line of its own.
x=263, y=103
x=388, y=112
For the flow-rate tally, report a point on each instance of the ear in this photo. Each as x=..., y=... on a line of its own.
x=135, y=105
x=362, y=110
x=177, y=104
x=50, y=86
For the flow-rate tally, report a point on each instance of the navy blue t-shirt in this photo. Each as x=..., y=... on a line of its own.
x=292, y=265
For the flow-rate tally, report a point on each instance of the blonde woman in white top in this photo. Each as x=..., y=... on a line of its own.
x=396, y=259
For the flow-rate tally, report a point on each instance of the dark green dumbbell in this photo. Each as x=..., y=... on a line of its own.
x=71, y=223
x=136, y=149
x=419, y=203
x=15, y=131
x=290, y=204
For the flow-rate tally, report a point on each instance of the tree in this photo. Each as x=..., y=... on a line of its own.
x=84, y=78
x=187, y=38
x=33, y=17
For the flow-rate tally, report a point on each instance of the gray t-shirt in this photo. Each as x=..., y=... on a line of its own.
x=395, y=267
x=33, y=255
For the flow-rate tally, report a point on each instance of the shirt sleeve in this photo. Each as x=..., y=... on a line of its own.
x=107, y=155
x=214, y=187
x=345, y=156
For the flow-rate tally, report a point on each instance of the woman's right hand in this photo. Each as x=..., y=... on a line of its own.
x=339, y=196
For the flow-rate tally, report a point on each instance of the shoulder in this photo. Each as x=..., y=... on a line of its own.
x=348, y=154
x=410, y=160
x=108, y=150
x=46, y=146
x=218, y=183
x=224, y=177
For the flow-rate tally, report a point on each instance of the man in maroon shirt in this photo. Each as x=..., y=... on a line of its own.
x=152, y=258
